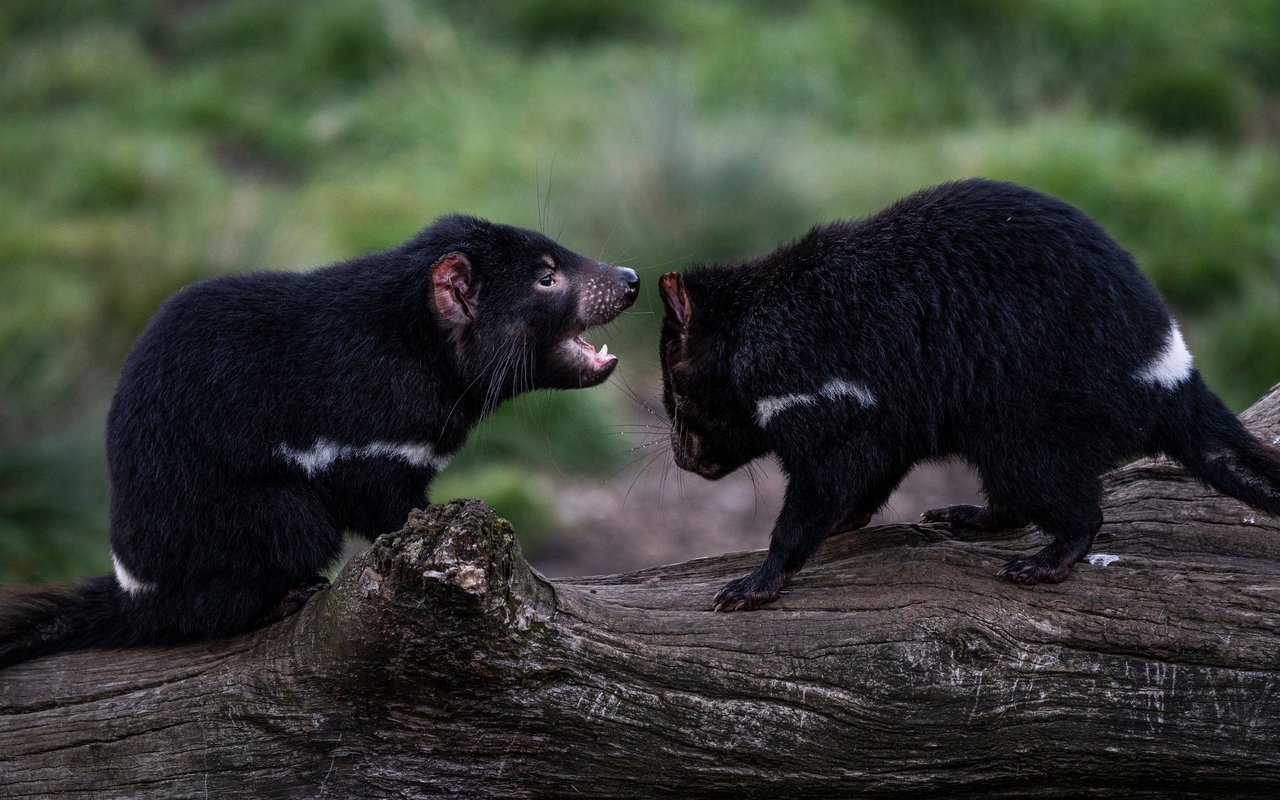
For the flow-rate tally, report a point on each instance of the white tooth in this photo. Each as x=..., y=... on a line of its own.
x=604, y=350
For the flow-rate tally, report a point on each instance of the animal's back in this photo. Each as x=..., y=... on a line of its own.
x=189, y=426
x=996, y=305
x=211, y=340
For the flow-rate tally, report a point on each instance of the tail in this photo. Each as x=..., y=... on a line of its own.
x=41, y=622
x=1202, y=433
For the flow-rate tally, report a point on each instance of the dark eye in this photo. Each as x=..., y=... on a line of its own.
x=547, y=280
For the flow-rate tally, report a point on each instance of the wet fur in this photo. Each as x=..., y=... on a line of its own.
x=986, y=321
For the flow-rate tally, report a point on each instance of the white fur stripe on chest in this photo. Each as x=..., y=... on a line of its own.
x=769, y=407
x=1172, y=365
x=321, y=455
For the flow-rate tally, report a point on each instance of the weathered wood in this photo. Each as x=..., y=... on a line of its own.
x=897, y=665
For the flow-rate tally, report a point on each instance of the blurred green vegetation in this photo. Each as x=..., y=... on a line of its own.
x=147, y=144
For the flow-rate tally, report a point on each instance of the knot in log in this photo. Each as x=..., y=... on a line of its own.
x=450, y=593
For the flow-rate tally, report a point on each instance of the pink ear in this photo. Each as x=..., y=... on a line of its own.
x=451, y=278
x=675, y=298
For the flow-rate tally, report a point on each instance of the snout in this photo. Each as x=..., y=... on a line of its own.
x=691, y=456
x=630, y=284
x=606, y=292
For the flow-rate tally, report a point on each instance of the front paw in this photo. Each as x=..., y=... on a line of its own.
x=295, y=598
x=750, y=592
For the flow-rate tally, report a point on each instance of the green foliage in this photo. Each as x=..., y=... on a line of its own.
x=516, y=456
x=525, y=500
x=549, y=22
x=52, y=507
x=149, y=143
x=22, y=17
x=1183, y=100
x=559, y=432
x=1245, y=341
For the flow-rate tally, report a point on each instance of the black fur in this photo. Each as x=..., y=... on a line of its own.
x=214, y=503
x=988, y=322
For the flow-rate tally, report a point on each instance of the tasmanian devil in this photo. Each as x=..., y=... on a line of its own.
x=976, y=319
x=260, y=416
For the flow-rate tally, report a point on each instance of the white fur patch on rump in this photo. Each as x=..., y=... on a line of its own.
x=1172, y=365
x=769, y=407
x=127, y=582
x=324, y=452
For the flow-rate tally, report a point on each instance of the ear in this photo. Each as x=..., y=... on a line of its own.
x=676, y=299
x=454, y=296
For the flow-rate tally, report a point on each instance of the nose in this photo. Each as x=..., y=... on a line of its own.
x=632, y=282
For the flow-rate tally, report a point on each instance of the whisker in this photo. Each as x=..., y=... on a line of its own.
x=662, y=483
x=493, y=395
x=625, y=255
x=614, y=474
x=661, y=423
x=641, y=447
x=627, y=389
x=537, y=191
x=661, y=264
x=652, y=458
x=609, y=435
x=755, y=488
x=662, y=488
x=608, y=238
x=448, y=417
x=551, y=174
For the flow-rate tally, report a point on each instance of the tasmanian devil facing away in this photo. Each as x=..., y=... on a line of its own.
x=976, y=319
x=259, y=416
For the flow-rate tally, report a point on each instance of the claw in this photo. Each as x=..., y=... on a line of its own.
x=751, y=591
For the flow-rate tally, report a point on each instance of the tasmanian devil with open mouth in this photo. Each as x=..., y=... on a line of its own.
x=260, y=416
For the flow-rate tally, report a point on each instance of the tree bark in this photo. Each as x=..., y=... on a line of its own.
x=897, y=665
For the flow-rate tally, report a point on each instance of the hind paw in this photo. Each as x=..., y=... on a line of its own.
x=972, y=518
x=1036, y=569
x=852, y=522
x=955, y=516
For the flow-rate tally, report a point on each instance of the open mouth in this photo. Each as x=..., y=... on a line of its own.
x=594, y=361
x=577, y=363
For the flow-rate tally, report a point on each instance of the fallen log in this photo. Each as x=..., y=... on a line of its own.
x=440, y=663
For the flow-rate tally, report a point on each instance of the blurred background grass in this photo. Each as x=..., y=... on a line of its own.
x=145, y=144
